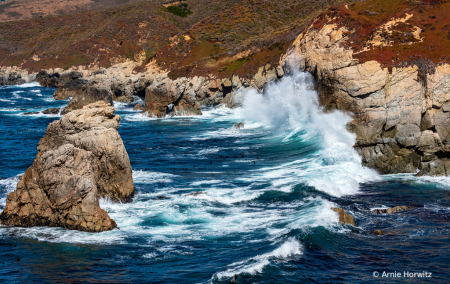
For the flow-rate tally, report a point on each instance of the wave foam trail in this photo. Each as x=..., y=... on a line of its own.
x=291, y=109
x=289, y=249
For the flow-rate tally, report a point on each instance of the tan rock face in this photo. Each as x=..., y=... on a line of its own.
x=80, y=159
x=171, y=98
x=392, y=108
x=344, y=217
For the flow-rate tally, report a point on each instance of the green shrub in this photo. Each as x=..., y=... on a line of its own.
x=181, y=10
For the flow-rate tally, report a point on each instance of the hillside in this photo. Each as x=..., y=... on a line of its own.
x=220, y=37
x=13, y=10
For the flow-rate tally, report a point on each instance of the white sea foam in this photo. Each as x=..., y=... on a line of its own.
x=139, y=117
x=140, y=176
x=205, y=182
x=291, y=107
x=8, y=185
x=5, y=100
x=289, y=249
x=28, y=85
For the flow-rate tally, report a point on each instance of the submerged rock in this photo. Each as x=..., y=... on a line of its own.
x=80, y=159
x=378, y=232
x=344, y=217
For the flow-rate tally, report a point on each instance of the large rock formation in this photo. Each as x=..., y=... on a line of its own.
x=80, y=159
x=401, y=109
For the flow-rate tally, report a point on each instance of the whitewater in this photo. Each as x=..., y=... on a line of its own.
x=214, y=202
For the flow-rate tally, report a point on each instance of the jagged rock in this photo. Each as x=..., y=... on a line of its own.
x=344, y=218
x=239, y=125
x=98, y=88
x=80, y=159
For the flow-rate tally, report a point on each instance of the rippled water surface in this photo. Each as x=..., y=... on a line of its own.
x=213, y=202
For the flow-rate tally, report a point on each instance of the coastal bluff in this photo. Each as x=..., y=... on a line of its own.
x=80, y=159
x=387, y=66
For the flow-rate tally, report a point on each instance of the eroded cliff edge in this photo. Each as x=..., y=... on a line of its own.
x=380, y=67
x=80, y=159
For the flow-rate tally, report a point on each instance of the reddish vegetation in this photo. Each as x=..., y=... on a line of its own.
x=364, y=18
x=206, y=42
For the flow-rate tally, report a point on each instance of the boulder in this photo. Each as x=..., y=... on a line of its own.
x=80, y=159
x=344, y=218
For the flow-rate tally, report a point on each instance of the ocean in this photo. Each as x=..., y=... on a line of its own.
x=213, y=202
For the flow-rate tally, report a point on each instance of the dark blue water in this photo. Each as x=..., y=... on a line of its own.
x=213, y=201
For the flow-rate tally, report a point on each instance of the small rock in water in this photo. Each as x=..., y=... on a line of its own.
x=30, y=113
x=378, y=232
x=239, y=125
x=162, y=197
x=234, y=279
x=344, y=218
x=196, y=193
x=138, y=107
x=51, y=111
x=392, y=210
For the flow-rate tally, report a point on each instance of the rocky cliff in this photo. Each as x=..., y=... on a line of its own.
x=80, y=159
x=379, y=62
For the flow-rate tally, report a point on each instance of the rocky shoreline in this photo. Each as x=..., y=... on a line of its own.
x=401, y=115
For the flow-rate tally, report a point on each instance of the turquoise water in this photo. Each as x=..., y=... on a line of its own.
x=263, y=208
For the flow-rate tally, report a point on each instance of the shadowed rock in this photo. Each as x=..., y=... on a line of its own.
x=98, y=88
x=80, y=159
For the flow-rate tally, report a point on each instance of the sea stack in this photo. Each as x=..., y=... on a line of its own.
x=80, y=159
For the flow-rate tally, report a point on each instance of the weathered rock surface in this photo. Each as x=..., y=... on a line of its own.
x=401, y=116
x=80, y=159
x=344, y=217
